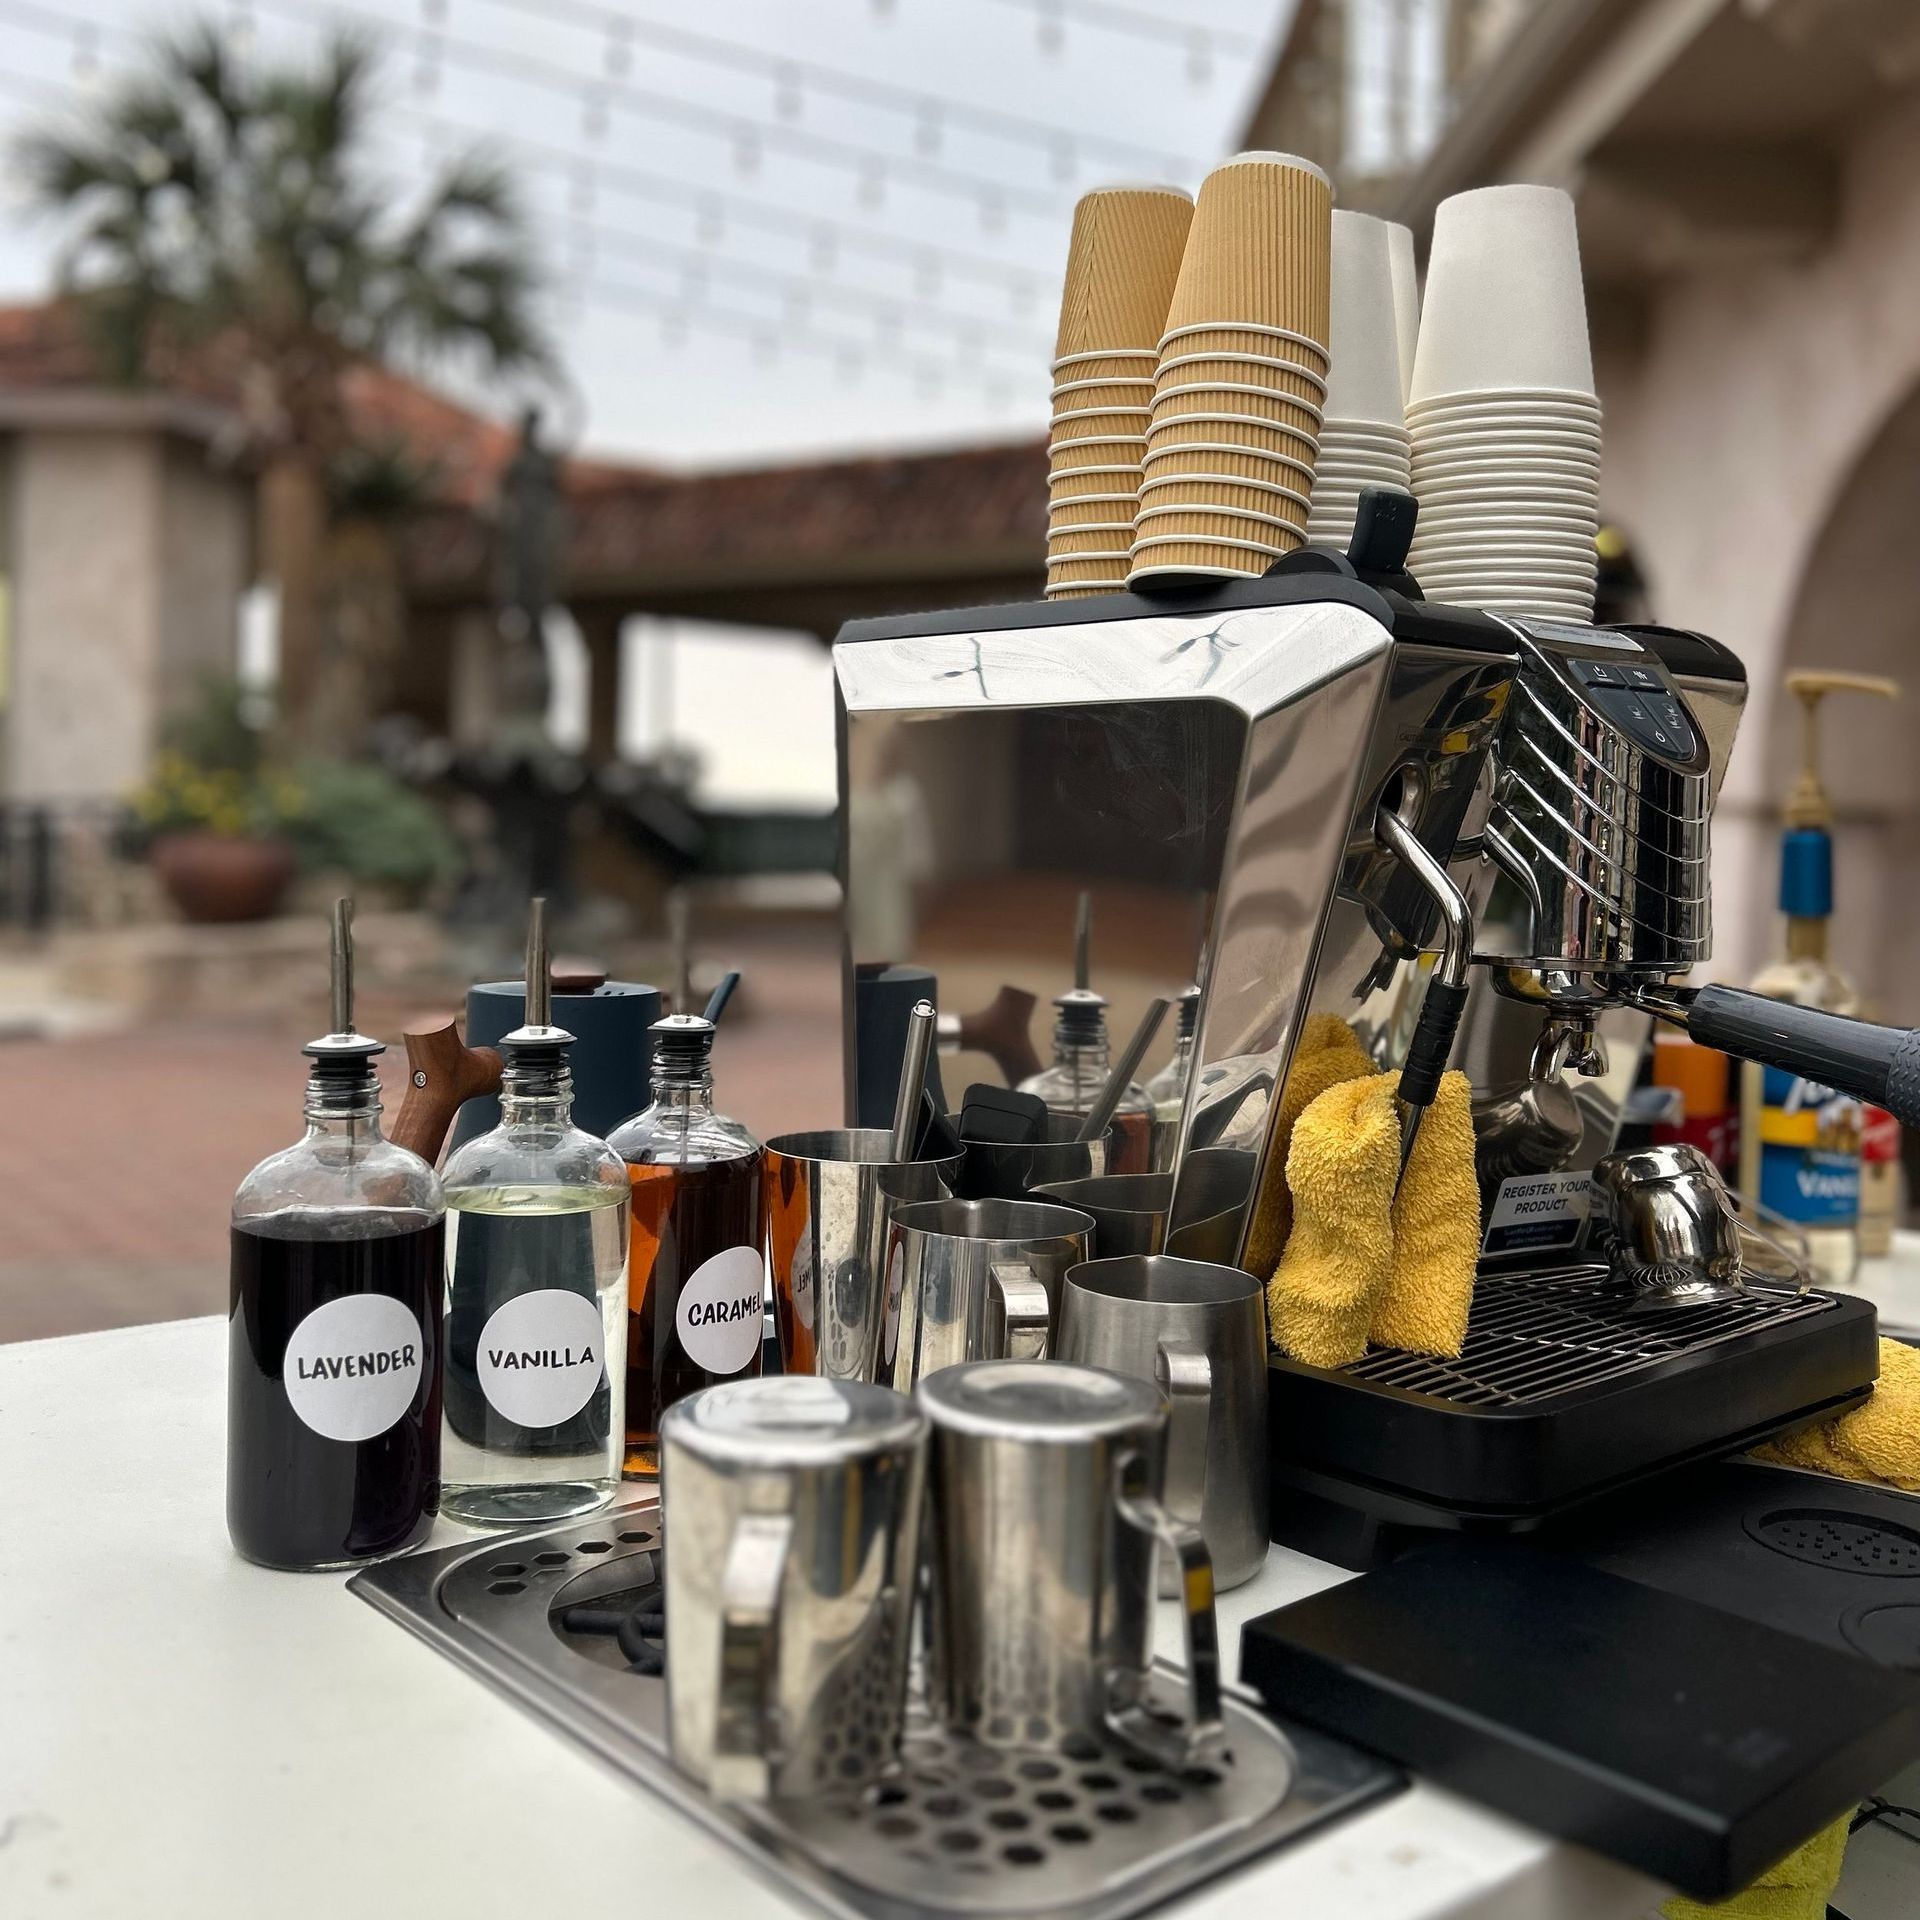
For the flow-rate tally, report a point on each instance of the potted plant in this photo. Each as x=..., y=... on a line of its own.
x=213, y=817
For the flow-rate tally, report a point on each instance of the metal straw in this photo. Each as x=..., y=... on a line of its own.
x=539, y=978
x=340, y=966
x=1083, y=940
x=1100, y=1118
x=913, y=1080
x=717, y=1004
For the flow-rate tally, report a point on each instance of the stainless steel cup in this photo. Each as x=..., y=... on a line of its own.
x=829, y=1197
x=1199, y=1332
x=1677, y=1239
x=1209, y=1205
x=792, y=1511
x=998, y=1170
x=975, y=1280
x=1128, y=1210
x=1044, y=1518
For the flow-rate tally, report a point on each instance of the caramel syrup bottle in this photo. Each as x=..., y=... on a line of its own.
x=697, y=1263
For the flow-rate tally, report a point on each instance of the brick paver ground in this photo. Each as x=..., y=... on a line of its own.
x=119, y=1153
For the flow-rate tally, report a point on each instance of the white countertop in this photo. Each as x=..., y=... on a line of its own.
x=184, y=1734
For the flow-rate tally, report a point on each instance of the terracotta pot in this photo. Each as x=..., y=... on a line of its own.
x=219, y=878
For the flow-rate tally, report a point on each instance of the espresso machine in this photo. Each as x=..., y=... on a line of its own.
x=1473, y=838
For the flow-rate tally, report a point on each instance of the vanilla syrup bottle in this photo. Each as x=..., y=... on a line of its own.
x=333, y=1334
x=536, y=1292
x=696, y=1280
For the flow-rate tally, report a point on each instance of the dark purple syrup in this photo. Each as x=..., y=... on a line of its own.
x=295, y=1497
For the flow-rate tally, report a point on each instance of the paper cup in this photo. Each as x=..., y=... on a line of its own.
x=1085, y=571
x=1365, y=344
x=1555, y=541
x=1102, y=452
x=1366, y=433
x=1215, y=559
x=1224, y=462
x=1406, y=301
x=1086, y=423
x=1505, y=304
x=1242, y=373
x=1333, y=466
x=1260, y=248
x=1501, y=400
x=1089, y=592
x=1516, y=525
x=1136, y=364
x=1232, y=427
x=1078, y=395
x=1123, y=258
x=1229, y=523
x=1286, y=505
x=1099, y=512
x=1090, y=546
x=1085, y=483
x=1552, y=444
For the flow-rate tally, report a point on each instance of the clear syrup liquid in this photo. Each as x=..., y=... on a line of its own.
x=535, y=1345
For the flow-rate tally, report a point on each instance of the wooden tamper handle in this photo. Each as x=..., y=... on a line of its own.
x=443, y=1072
x=1002, y=1030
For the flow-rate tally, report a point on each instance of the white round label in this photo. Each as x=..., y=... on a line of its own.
x=803, y=1282
x=541, y=1356
x=719, y=1314
x=352, y=1366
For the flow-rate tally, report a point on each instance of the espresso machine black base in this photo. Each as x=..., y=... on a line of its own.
x=1564, y=1393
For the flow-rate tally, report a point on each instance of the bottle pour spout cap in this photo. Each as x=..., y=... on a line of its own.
x=537, y=1031
x=681, y=1041
x=341, y=1046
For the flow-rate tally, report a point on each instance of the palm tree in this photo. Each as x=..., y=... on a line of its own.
x=224, y=222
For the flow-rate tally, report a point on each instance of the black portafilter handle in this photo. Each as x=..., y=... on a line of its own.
x=1880, y=1065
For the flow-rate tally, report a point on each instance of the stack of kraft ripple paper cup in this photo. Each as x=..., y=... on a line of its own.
x=1363, y=439
x=1121, y=266
x=1505, y=424
x=1241, y=384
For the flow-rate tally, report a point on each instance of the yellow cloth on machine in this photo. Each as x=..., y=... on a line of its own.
x=1877, y=1441
x=1360, y=1264
x=1798, y=1888
x=1436, y=1232
x=1328, y=1053
x=1341, y=1163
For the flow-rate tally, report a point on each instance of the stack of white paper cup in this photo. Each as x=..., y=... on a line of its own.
x=1505, y=425
x=1122, y=262
x=1363, y=439
x=1242, y=382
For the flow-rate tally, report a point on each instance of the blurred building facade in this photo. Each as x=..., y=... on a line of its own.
x=1747, y=174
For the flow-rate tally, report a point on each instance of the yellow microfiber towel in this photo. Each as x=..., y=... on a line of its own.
x=1341, y=1164
x=1436, y=1232
x=1328, y=1053
x=1797, y=1889
x=1878, y=1441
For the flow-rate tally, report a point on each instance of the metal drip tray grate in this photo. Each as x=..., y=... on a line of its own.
x=1531, y=1337
x=1090, y=1831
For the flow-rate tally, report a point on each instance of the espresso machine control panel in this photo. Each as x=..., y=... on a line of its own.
x=1626, y=685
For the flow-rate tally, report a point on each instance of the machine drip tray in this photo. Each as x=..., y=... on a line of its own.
x=1087, y=1833
x=1566, y=1388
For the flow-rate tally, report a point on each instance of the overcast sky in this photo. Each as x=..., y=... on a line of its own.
x=753, y=263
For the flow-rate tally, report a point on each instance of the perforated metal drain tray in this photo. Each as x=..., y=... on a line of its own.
x=1087, y=1834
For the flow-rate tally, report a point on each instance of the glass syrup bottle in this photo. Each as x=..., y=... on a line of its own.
x=333, y=1336
x=697, y=1276
x=1167, y=1090
x=1072, y=1084
x=536, y=1291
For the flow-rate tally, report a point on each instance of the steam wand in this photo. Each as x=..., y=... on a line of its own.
x=1446, y=995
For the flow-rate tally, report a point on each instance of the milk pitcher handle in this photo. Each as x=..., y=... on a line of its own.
x=743, y=1732
x=1191, y=1740
x=1185, y=1375
x=1021, y=1326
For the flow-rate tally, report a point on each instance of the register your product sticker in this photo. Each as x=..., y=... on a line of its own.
x=1539, y=1210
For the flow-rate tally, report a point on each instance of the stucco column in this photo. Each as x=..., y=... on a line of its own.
x=600, y=629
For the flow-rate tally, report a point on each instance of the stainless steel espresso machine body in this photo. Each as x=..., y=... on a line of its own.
x=1210, y=771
